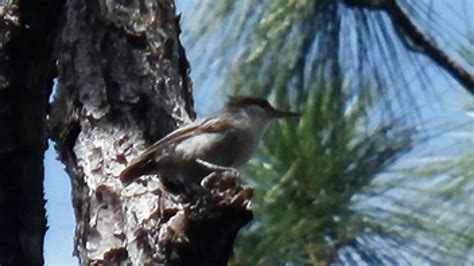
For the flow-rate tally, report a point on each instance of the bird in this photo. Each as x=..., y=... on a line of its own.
x=225, y=140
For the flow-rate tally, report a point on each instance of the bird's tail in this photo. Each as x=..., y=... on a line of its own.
x=134, y=171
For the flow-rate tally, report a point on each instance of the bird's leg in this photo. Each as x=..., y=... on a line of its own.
x=217, y=168
x=221, y=179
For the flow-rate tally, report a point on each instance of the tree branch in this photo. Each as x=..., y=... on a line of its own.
x=416, y=40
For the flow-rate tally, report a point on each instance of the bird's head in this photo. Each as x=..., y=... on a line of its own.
x=256, y=108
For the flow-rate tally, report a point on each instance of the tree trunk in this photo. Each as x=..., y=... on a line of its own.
x=123, y=84
x=27, y=33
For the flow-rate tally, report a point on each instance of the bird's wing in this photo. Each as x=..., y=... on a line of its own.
x=209, y=125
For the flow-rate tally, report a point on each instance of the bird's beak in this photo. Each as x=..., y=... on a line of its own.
x=282, y=114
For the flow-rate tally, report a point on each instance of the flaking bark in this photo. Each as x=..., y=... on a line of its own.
x=123, y=84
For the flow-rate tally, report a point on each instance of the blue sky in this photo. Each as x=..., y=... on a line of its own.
x=59, y=237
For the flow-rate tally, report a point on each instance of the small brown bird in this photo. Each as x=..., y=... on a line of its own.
x=225, y=140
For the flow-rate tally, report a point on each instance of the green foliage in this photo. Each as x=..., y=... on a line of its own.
x=327, y=183
x=309, y=169
x=308, y=172
x=429, y=209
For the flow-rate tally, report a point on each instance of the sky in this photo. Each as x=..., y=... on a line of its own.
x=59, y=237
x=58, y=243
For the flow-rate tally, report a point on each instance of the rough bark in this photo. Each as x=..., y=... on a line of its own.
x=27, y=33
x=123, y=84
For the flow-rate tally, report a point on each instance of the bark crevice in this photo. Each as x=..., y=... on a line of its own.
x=123, y=84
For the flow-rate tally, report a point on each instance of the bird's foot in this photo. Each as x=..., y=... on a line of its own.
x=218, y=168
